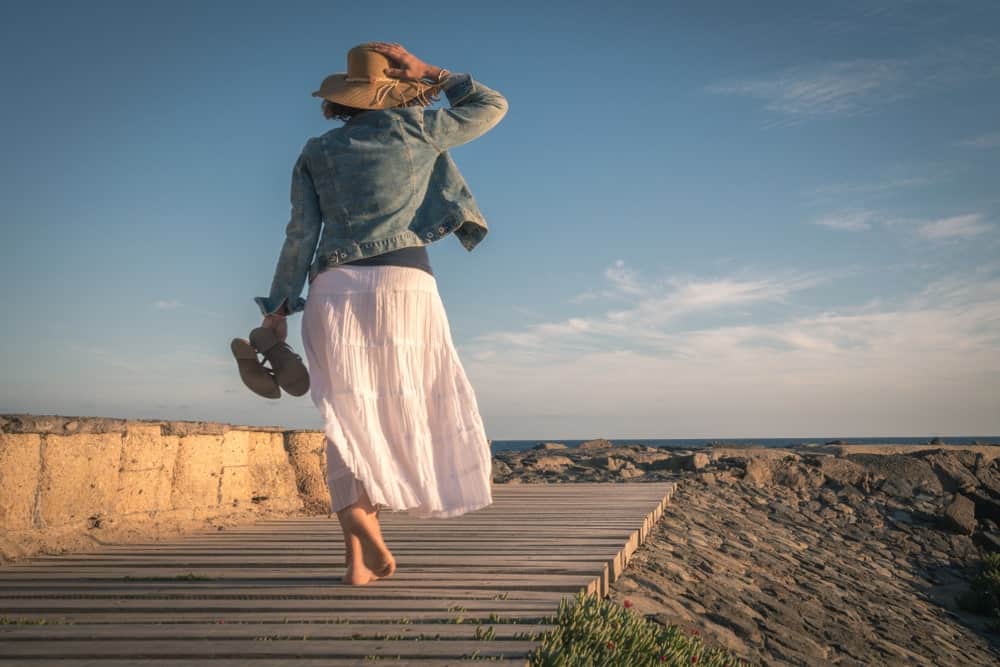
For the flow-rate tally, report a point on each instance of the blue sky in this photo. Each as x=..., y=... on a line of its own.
x=706, y=219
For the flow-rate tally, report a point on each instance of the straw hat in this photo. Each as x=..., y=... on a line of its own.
x=365, y=85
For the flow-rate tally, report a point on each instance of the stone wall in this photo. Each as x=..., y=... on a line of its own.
x=74, y=483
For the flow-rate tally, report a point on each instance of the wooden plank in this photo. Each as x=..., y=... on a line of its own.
x=155, y=591
x=250, y=630
x=514, y=561
x=539, y=614
x=239, y=662
x=331, y=576
x=412, y=557
x=209, y=648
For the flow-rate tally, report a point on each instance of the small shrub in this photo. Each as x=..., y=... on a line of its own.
x=592, y=631
x=983, y=596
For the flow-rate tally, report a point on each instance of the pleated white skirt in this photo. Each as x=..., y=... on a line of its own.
x=400, y=415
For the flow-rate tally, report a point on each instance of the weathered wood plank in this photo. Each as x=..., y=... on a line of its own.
x=280, y=580
x=251, y=630
x=242, y=662
x=473, y=616
x=210, y=648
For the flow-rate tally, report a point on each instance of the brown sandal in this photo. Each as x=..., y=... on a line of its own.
x=255, y=375
x=289, y=371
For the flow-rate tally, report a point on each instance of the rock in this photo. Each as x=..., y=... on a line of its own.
x=725, y=477
x=851, y=495
x=827, y=497
x=610, y=463
x=836, y=442
x=186, y=428
x=599, y=443
x=549, y=445
x=500, y=469
x=935, y=441
x=988, y=474
x=707, y=477
x=953, y=475
x=966, y=457
x=664, y=461
x=758, y=472
x=986, y=507
x=838, y=471
x=798, y=478
x=695, y=461
x=903, y=475
x=869, y=512
x=960, y=515
x=901, y=516
x=629, y=471
x=547, y=463
x=988, y=540
x=844, y=509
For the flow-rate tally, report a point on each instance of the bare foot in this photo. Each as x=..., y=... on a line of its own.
x=376, y=554
x=356, y=574
x=366, y=557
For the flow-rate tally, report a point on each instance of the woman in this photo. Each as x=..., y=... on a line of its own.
x=403, y=429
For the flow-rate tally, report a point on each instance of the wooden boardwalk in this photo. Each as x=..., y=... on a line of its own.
x=271, y=593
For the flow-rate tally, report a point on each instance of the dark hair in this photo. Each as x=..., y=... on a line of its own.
x=345, y=113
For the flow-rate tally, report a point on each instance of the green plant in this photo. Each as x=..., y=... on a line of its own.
x=593, y=631
x=22, y=620
x=983, y=596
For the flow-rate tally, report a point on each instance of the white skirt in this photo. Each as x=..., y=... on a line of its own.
x=400, y=415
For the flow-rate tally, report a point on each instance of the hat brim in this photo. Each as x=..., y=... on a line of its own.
x=371, y=95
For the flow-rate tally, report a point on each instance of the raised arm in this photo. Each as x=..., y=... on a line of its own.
x=301, y=236
x=475, y=108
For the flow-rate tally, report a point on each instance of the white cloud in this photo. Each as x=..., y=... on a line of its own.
x=170, y=304
x=877, y=187
x=855, y=221
x=989, y=140
x=957, y=227
x=623, y=278
x=624, y=282
x=965, y=226
x=852, y=87
x=927, y=363
x=653, y=308
x=840, y=88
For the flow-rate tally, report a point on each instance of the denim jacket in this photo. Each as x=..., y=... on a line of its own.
x=381, y=182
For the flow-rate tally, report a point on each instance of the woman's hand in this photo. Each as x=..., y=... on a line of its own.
x=407, y=66
x=279, y=324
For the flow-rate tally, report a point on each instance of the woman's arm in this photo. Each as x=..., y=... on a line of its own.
x=301, y=237
x=475, y=109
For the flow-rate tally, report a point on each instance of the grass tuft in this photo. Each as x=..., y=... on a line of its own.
x=22, y=620
x=983, y=596
x=593, y=631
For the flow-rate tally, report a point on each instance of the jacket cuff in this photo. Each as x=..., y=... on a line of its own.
x=457, y=87
x=267, y=307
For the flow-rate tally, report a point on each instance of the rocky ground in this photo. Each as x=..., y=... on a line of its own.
x=839, y=555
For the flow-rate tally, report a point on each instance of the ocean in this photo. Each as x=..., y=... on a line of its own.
x=675, y=443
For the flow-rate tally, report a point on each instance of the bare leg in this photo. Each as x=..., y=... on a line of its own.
x=367, y=557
